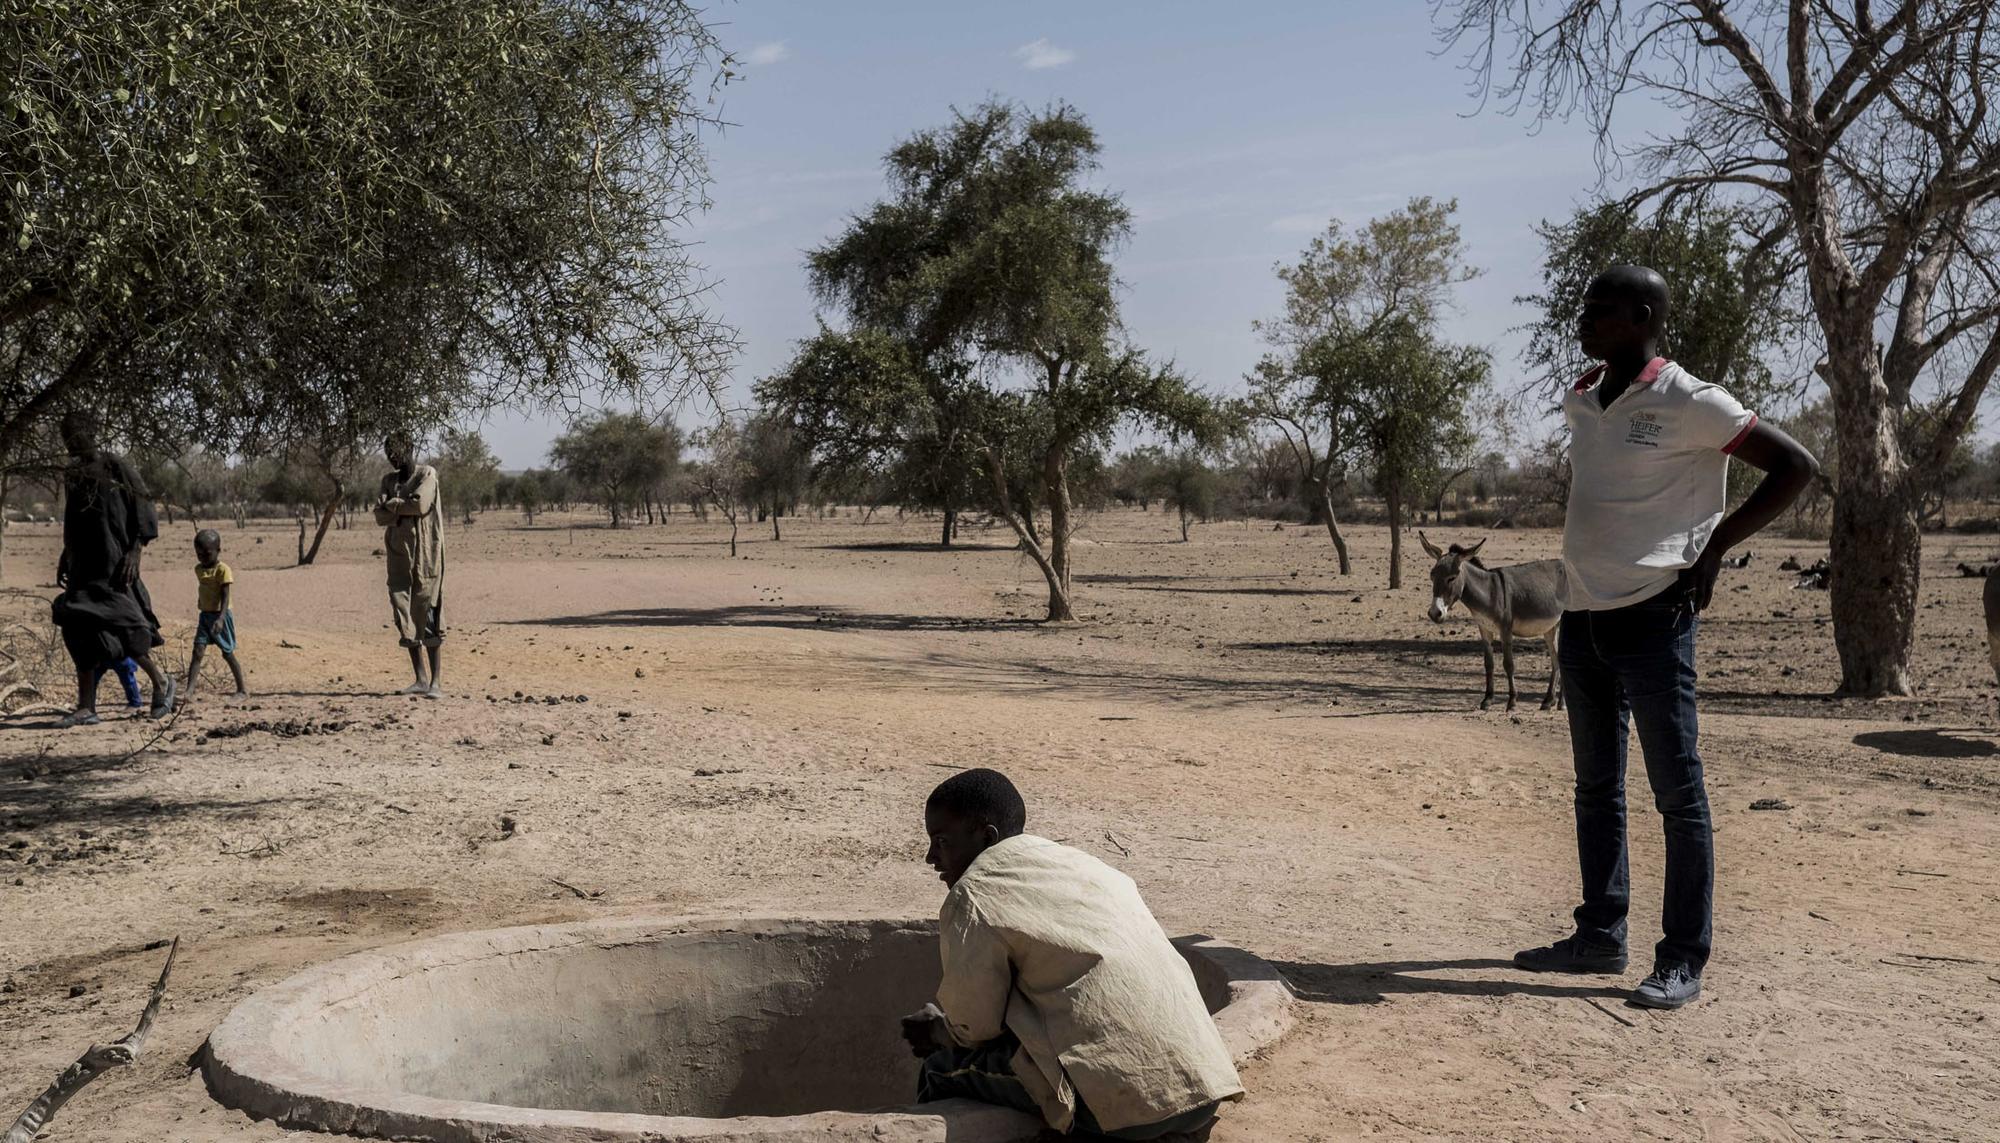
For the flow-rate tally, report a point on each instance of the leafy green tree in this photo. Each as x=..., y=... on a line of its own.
x=467, y=471
x=1410, y=413
x=622, y=458
x=529, y=494
x=1133, y=477
x=778, y=467
x=1185, y=482
x=1731, y=303
x=223, y=219
x=1359, y=306
x=993, y=246
x=868, y=405
x=724, y=479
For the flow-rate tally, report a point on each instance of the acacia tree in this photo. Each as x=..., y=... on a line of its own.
x=1869, y=144
x=1409, y=412
x=1355, y=303
x=1308, y=412
x=213, y=216
x=725, y=478
x=991, y=246
x=1184, y=482
x=867, y=404
x=467, y=471
x=777, y=467
x=621, y=457
x=1732, y=296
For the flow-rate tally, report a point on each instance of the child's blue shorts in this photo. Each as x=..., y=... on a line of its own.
x=219, y=628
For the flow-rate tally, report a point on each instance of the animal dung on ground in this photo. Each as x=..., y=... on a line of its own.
x=1770, y=804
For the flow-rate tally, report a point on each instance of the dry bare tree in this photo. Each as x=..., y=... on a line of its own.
x=1864, y=134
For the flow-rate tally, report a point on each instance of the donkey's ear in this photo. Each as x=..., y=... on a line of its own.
x=1474, y=549
x=1436, y=552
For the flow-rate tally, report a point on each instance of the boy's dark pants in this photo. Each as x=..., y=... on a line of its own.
x=1639, y=660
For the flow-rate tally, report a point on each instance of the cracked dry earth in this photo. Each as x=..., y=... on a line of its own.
x=1284, y=758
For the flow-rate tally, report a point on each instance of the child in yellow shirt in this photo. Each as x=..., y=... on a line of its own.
x=216, y=624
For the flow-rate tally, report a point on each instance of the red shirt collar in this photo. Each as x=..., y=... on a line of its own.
x=1647, y=376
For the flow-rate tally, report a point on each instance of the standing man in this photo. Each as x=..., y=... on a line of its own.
x=1061, y=996
x=1642, y=546
x=413, y=537
x=104, y=611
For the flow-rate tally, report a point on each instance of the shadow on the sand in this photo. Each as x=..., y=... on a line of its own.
x=1375, y=982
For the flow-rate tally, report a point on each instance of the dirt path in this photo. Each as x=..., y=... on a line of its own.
x=1282, y=758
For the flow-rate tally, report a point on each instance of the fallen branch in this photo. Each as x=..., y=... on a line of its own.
x=1609, y=1012
x=95, y=1061
x=1922, y=873
x=1946, y=959
x=581, y=895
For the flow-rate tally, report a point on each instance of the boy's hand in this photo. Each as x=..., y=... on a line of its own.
x=1701, y=578
x=924, y=1031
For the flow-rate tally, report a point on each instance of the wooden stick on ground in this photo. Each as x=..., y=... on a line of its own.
x=94, y=1062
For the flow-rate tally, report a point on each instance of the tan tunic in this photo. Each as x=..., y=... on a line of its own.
x=1057, y=947
x=413, y=538
x=413, y=526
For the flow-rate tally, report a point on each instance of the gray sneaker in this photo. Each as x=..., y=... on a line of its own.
x=1571, y=954
x=1670, y=986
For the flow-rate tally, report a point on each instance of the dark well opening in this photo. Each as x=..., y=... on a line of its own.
x=706, y=1023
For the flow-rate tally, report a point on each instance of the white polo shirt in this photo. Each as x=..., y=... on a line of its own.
x=1647, y=482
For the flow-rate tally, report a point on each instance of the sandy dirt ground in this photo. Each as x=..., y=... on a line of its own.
x=1283, y=757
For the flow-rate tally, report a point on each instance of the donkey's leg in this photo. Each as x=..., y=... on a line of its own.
x=1486, y=648
x=1507, y=653
x=1554, y=697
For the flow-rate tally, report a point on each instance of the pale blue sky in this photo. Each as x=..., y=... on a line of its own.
x=1234, y=132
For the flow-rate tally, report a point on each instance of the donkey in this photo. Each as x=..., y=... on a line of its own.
x=1521, y=601
x=1992, y=604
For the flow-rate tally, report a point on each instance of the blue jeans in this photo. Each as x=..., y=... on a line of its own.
x=1639, y=661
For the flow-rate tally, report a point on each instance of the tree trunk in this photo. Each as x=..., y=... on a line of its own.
x=1333, y=526
x=950, y=525
x=4, y=481
x=732, y=535
x=1184, y=525
x=1024, y=530
x=775, y=533
x=307, y=555
x=1055, y=476
x=1393, y=498
x=1876, y=542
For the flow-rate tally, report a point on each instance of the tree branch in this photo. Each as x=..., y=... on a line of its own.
x=1732, y=40
x=1964, y=407
x=95, y=1061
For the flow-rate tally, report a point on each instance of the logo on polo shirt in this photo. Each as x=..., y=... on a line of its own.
x=1644, y=429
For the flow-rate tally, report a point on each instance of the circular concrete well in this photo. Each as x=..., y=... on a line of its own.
x=655, y=1029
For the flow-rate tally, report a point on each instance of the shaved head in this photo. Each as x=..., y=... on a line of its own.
x=1636, y=286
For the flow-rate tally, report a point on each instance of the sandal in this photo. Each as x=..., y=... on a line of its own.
x=163, y=703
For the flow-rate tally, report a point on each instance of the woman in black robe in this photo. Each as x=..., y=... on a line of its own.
x=104, y=611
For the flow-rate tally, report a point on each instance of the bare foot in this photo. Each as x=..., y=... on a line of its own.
x=433, y=692
x=416, y=688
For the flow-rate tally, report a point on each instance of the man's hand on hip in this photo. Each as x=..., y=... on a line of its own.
x=1700, y=578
